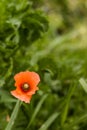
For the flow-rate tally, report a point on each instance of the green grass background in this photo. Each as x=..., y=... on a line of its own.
x=49, y=37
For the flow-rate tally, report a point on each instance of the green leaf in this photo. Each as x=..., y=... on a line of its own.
x=6, y=97
x=2, y=82
x=84, y=84
x=9, y=72
x=49, y=121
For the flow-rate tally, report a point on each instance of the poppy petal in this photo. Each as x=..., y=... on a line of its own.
x=32, y=91
x=22, y=97
x=28, y=77
x=31, y=79
x=35, y=78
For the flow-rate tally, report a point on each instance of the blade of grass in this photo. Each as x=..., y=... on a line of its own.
x=49, y=121
x=13, y=116
x=84, y=84
x=67, y=101
x=36, y=110
x=77, y=121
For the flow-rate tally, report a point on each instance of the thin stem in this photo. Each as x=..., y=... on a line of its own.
x=13, y=116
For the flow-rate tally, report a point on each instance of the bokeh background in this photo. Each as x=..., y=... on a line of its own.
x=50, y=38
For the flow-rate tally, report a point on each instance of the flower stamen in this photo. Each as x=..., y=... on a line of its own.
x=25, y=87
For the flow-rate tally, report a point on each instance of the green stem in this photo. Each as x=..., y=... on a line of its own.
x=13, y=116
x=38, y=107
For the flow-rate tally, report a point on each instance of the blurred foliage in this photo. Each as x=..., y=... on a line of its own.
x=71, y=12
x=21, y=26
x=58, y=54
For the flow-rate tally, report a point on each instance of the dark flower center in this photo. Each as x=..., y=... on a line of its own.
x=25, y=87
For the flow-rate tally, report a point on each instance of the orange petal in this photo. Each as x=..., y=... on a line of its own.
x=34, y=78
x=32, y=91
x=19, y=78
x=23, y=97
x=31, y=78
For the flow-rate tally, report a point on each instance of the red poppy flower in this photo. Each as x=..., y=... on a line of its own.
x=26, y=85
